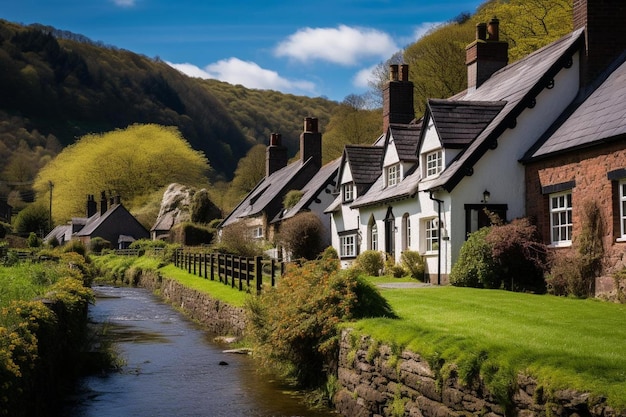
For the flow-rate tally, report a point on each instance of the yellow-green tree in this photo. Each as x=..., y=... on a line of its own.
x=131, y=163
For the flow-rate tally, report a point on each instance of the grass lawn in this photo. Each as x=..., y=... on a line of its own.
x=216, y=289
x=563, y=342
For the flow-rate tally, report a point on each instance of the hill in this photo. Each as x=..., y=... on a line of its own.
x=58, y=86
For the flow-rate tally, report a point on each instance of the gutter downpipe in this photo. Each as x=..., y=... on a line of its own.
x=440, y=242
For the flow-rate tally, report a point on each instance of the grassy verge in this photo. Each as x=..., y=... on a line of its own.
x=564, y=343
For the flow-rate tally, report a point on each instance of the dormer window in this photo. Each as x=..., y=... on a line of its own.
x=348, y=192
x=433, y=163
x=393, y=175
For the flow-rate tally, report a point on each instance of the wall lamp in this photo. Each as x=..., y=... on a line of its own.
x=486, y=196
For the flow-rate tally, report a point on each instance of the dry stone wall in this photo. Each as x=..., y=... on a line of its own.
x=376, y=382
x=216, y=316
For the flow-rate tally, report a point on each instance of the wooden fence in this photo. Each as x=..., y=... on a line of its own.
x=239, y=272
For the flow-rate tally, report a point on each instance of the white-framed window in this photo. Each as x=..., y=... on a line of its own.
x=406, y=232
x=433, y=163
x=622, y=205
x=348, y=192
x=561, y=218
x=431, y=229
x=347, y=245
x=373, y=236
x=393, y=175
x=257, y=232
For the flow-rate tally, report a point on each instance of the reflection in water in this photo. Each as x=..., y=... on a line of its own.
x=172, y=368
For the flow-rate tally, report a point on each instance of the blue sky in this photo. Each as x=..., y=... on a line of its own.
x=313, y=48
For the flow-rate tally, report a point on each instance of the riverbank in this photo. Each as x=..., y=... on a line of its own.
x=376, y=375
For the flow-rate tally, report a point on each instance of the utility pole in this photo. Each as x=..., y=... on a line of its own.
x=50, y=213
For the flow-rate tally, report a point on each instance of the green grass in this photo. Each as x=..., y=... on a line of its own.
x=26, y=281
x=563, y=342
x=216, y=289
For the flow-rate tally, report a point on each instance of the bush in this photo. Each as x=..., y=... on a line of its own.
x=292, y=198
x=33, y=218
x=413, y=262
x=296, y=323
x=371, y=262
x=190, y=234
x=508, y=256
x=74, y=245
x=98, y=244
x=202, y=208
x=33, y=241
x=236, y=240
x=475, y=265
x=301, y=236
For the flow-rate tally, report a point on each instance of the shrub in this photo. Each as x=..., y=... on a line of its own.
x=301, y=236
x=519, y=254
x=74, y=245
x=33, y=240
x=413, y=262
x=97, y=244
x=235, y=239
x=371, y=262
x=203, y=210
x=190, y=234
x=33, y=218
x=475, y=265
x=296, y=323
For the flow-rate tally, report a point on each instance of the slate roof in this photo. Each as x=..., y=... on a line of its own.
x=379, y=194
x=265, y=192
x=598, y=117
x=93, y=222
x=458, y=123
x=516, y=84
x=323, y=178
x=406, y=140
x=365, y=162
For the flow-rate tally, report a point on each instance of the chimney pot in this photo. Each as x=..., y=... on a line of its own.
x=275, y=139
x=481, y=31
x=393, y=72
x=494, y=29
x=404, y=72
x=310, y=124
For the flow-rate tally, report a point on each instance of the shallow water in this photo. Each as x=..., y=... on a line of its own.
x=172, y=368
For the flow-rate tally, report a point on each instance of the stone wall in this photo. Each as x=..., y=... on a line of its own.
x=376, y=382
x=216, y=316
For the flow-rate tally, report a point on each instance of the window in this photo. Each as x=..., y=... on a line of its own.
x=348, y=192
x=432, y=234
x=257, y=232
x=622, y=198
x=433, y=163
x=393, y=175
x=373, y=244
x=347, y=246
x=406, y=232
x=561, y=218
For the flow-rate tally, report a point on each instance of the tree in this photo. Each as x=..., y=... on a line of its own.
x=350, y=125
x=250, y=170
x=202, y=208
x=131, y=163
x=34, y=218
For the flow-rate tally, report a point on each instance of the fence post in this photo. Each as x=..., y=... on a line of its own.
x=240, y=267
x=248, y=273
x=194, y=263
x=232, y=271
x=273, y=273
x=258, y=269
x=205, y=265
x=212, y=266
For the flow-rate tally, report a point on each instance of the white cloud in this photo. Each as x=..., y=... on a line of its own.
x=125, y=3
x=363, y=77
x=343, y=45
x=246, y=73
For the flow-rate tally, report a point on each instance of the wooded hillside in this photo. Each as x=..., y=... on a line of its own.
x=58, y=86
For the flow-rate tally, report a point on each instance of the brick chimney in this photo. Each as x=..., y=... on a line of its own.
x=605, y=33
x=92, y=206
x=311, y=142
x=486, y=55
x=398, y=97
x=275, y=155
x=103, y=203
